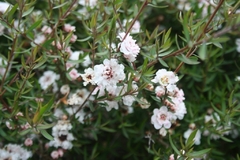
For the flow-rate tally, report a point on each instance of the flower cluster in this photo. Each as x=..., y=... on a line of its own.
x=128, y=47
x=172, y=97
x=14, y=152
x=62, y=137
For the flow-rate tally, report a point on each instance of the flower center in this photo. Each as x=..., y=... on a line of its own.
x=163, y=117
x=164, y=80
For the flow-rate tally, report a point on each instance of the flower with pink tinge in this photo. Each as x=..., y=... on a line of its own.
x=128, y=47
x=73, y=38
x=160, y=91
x=28, y=142
x=55, y=154
x=108, y=74
x=60, y=152
x=40, y=38
x=46, y=29
x=69, y=28
x=161, y=118
x=74, y=74
x=178, y=107
x=171, y=157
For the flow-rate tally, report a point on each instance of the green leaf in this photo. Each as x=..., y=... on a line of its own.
x=34, y=25
x=11, y=12
x=41, y=62
x=190, y=140
x=198, y=154
x=226, y=139
x=24, y=132
x=163, y=62
x=192, y=60
x=61, y=5
x=173, y=146
x=107, y=129
x=84, y=39
x=202, y=51
x=28, y=12
x=45, y=126
x=46, y=135
x=154, y=6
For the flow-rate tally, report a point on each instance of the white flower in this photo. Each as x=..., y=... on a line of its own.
x=65, y=89
x=48, y=78
x=15, y=152
x=238, y=77
x=54, y=155
x=165, y=78
x=69, y=28
x=161, y=118
x=4, y=6
x=75, y=57
x=128, y=47
x=160, y=91
x=108, y=74
x=74, y=74
x=183, y=5
x=78, y=97
x=178, y=108
x=110, y=105
x=1, y=29
x=197, y=138
x=46, y=29
x=238, y=44
x=144, y=104
x=40, y=38
x=136, y=26
x=3, y=64
x=90, y=3
x=62, y=137
x=163, y=132
x=88, y=76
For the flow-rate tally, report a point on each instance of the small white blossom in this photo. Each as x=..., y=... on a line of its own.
x=88, y=76
x=110, y=105
x=65, y=89
x=128, y=47
x=136, y=26
x=161, y=118
x=90, y=3
x=14, y=152
x=163, y=132
x=69, y=28
x=238, y=44
x=165, y=78
x=62, y=137
x=144, y=104
x=4, y=6
x=48, y=78
x=197, y=138
x=108, y=74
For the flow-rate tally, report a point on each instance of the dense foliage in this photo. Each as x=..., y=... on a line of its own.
x=120, y=79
